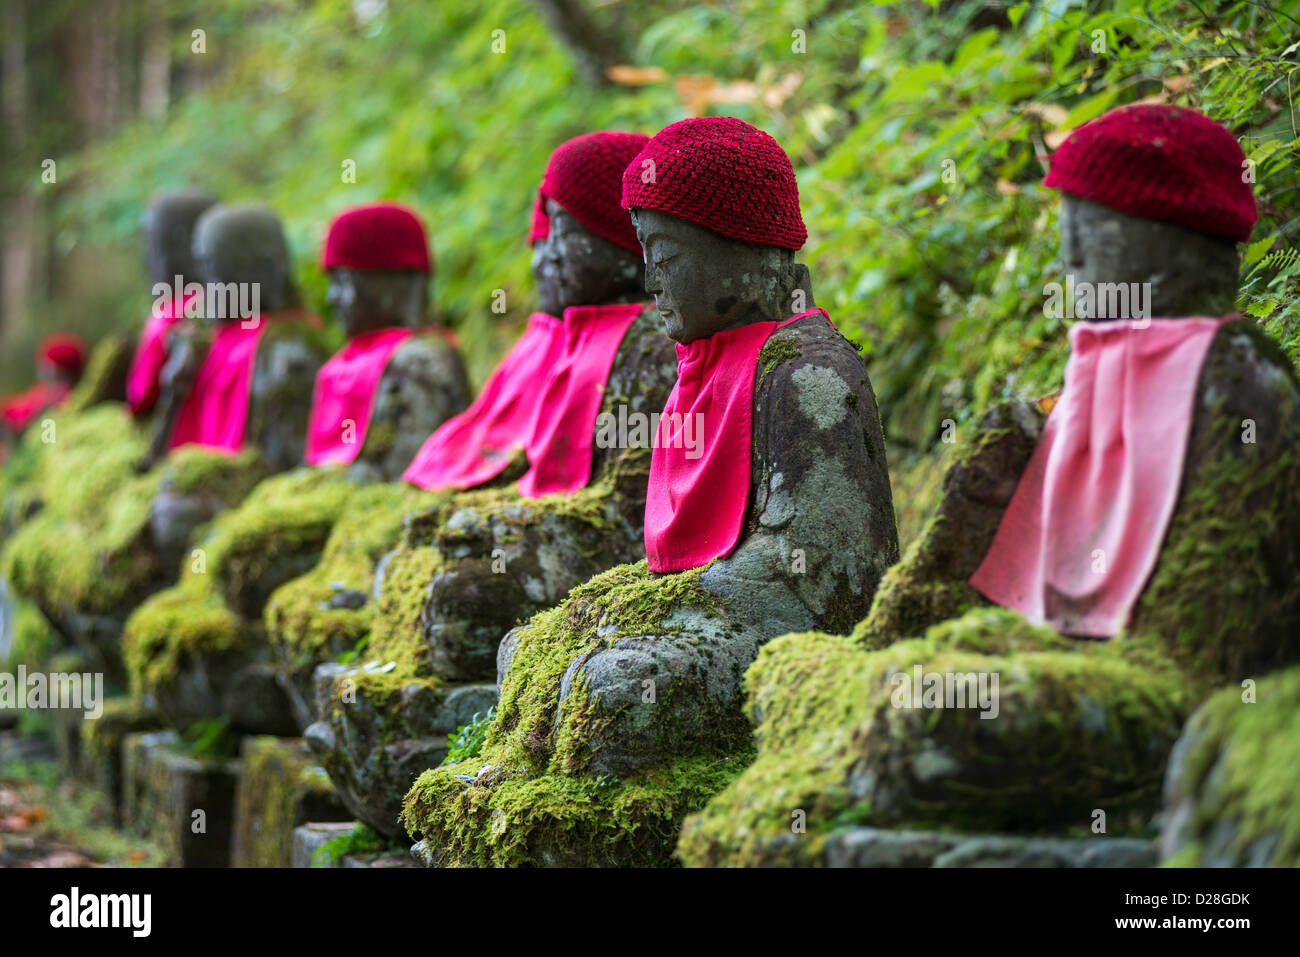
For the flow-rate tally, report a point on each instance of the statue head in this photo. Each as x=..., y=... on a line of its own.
x=378, y=263
x=1155, y=198
x=716, y=210
x=244, y=244
x=168, y=228
x=585, y=251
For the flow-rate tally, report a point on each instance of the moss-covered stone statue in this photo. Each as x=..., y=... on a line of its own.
x=198, y=645
x=112, y=532
x=768, y=508
x=471, y=565
x=168, y=232
x=1156, y=512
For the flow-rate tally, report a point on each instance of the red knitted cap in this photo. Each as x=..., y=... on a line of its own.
x=379, y=236
x=1160, y=162
x=723, y=174
x=585, y=176
x=63, y=350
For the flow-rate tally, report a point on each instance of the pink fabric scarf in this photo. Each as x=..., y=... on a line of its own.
x=695, y=507
x=1084, y=528
x=150, y=355
x=345, y=396
x=215, y=413
x=475, y=446
x=560, y=447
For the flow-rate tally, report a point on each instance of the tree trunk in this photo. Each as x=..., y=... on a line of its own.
x=593, y=50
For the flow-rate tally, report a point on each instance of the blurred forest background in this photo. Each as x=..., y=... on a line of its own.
x=917, y=131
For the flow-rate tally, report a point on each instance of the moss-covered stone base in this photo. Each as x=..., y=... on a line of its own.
x=279, y=788
x=185, y=804
x=1079, y=727
x=92, y=552
x=102, y=741
x=532, y=796
x=1230, y=797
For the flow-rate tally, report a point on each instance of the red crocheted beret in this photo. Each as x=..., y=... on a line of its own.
x=1160, y=162
x=723, y=174
x=63, y=350
x=584, y=175
x=378, y=236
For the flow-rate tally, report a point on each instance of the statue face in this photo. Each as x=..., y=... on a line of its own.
x=1178, y=272
x=704, y=283
x=369, y=300
x=575, y=267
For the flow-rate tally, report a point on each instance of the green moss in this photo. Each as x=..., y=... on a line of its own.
x=1239, y=772
x=276, y=780
x=189, y=619
x=543, y=805
x=774, y=352
x=561, y=819
x=1216, y=600
x=359, y=840
x=369, y=526
x=34, y=640
x=917, y=592
x=1081, y=725
x=286, y=518
x=89, y=549
x=104, y=378
x=103, y=736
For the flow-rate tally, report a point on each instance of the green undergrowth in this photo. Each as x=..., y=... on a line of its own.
x=1080, y=726
x=360, y=839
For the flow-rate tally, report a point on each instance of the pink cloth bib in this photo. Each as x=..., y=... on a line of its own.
x=215, y=413
x=475, y=446
x=560, y=447
x=150, y=355
x=695, y=507
x=345, y=396
x=1084, y=528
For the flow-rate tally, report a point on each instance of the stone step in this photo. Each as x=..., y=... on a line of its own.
x=184, y=803
x=876, y=847
x=280, y=787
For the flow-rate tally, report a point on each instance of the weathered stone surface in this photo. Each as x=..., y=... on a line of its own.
x=930, y=584
x=471, y=566
x=185, y=804
x=309, y=838
x=1230, y=796
x=874, y=847
x=632, y=686
x=998, y=851
x=279, y=789
x=379, y=730
x=423, y=385
x=102, y=743
x=1072, y=728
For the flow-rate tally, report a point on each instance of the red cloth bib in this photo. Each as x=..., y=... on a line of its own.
x=215, y=413
x=345, y=396
x=560, y=447
x=20, y=410
x=1084, y=528
x=475, y=446
x=695, y=507
x=150, y=355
